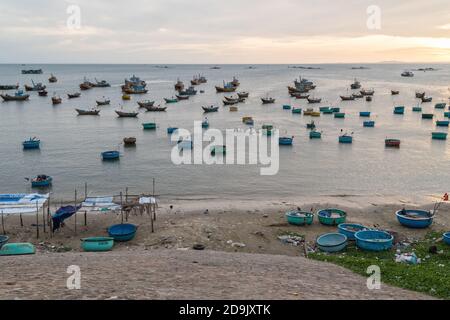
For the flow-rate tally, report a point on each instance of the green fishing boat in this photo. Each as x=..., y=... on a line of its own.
x=440, y=105
x=329, y=111
x=315, y=135
x=427, y=116
x=439, y=135
x=15, y=249
x=149, y=126
x=97, y=244
x=297, y=110
x=339, y=115
x=447, y=114
x=417, y=109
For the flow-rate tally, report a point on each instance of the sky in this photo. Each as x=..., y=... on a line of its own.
x=227, y=31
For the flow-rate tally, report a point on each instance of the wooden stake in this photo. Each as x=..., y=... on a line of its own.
x=21, y=220
x=85, y=218
x=50, y=221
x=3, y=224
x=121, y=204
x=75, y=215
x=43, y=217
x=37, y=220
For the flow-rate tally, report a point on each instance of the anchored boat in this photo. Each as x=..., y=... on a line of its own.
x=395, y=143
x=32, y=143
x=41, y=180
x=110, y=155
x=18, y=96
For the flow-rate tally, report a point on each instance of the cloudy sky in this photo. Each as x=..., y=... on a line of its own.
x=227, y=31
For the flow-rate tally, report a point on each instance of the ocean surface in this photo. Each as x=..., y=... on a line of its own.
x=71, y=144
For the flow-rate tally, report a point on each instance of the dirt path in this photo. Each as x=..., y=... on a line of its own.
x=184, y=274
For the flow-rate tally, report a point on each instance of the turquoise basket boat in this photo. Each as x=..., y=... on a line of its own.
x=439, y=135
x=369, y=124
x=31, y=143
x=299, y=218
x=364, y=114
x=350, y=229
x=110, y=155
x=122, y=232
x=332, y=242
x=374, y=240
x=446, y=238
x=331, y=216
x=97, y=244
x=3, y=240
x=15, y=249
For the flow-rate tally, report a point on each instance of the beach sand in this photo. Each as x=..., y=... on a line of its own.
x=243, y=256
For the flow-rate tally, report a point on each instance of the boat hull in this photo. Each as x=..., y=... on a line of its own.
x=332, y=242
x=298, y=218
x=97, y=244
x=374, y=240
x=14, y=249
x=122, y=232
x=326, y=217
x=350, y=229
x=423, y=219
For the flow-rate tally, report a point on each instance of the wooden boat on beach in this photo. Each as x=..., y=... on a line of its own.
x=395, y=92
x=18, y=96
x=92, y=112
x=427, y=99
x=123, y=114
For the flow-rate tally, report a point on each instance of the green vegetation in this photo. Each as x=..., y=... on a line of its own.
x=431, y=276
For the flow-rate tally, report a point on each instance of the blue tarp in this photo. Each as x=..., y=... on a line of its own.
x=62, y=214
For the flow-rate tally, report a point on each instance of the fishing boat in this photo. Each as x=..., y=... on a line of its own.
x=313, y=134
x=179, y=85
x=56, y=100
x=331, y=216
x=171, y=100
x=97, y=244
x=9, y=87
x=417, y=109
x=364, y=113
x=92, y=112
x=215, y=150
x=52, y=79
x=297, y=110
x=135, y=90
x=129, y=141
x=347, y=98
x=355, y=85
x=315, y=114
x=235, y=82
x=233, y=108
x=300, y=95
x=417, y=219
x=73, y=95
x=86, y=85
x=15, y=249
x=210, y=109
x=420, y=95
x=392, y=143
x=267, y=100
x=149, y=126
x=100, y=84
x=427, y=99
x=227, y=87
x=427, y=116
x=407, y=74
x=32, y=71
x=243, y=94
x=122, y=232
x=447, y=114
x=442, y=123
x=328, y=111
x=399, y=110
x=155, y=109
x=123, y=114
x=350, y=229
x=188, y=92
x=285, y=141
x=314, y=100
x=308, y=112
x=335, y=109
x=146, y=103
x=332, y=242
x=110, y=155
x=311, y=125
x=374, y=240
x=205, y=123
x=345, y=138
x=234, y=99
x=32, y=143
x=299, y=218
x=230, y=102
x=18, y=96
x=41, y=180
x=369, y=98
x=35, y=87
x=134, y=81
x=43, y=93
x=103, y=102
x=183, y=97
x=126, y=97
x=339, y=115
x=365, y=92
x=440, y=105
x=358, y=95
x=3, y=240
x=287, y=107
x=369, y=124
x=395, y=92
x=439, y=135
x=171, y=130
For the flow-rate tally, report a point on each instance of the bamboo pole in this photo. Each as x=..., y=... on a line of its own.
x=121, y=206
x=75, y=215
x=37, y=220
x=50, y=221
x=21, y=220
x=43, y=217
x=3, y=224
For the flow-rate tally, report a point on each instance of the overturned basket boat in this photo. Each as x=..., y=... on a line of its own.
x=299, y=218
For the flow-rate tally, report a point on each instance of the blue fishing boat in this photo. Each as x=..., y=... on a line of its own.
x=205, y=123
x=16, y=249
x=110, y=155
x=332, y=242
x=339, y=115
x=417, y=109
x=446, y=238
x=32, y=143
x=374, y=240
x=149, y=126
x=427, y=116
x=335, y=109
x=3, y=240
x=41, y=180
x=439, y=135
x=440, y=105
x=350, y=229
x=122, y=232
x=331, y=216
x=62, y=214
x=297, y=110
x=447, y=114
x=286, y=107
x=369, y=124
x=442, y=123
x=417, y=219
x=171, y=130
x=97, y=244
x=299, y=218
x=399, y=110
x=345, y=138
x=364, y=114
x=329, y=111
x=285, y=141
x=315, y=134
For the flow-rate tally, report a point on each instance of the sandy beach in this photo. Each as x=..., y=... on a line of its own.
x=241, y=242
